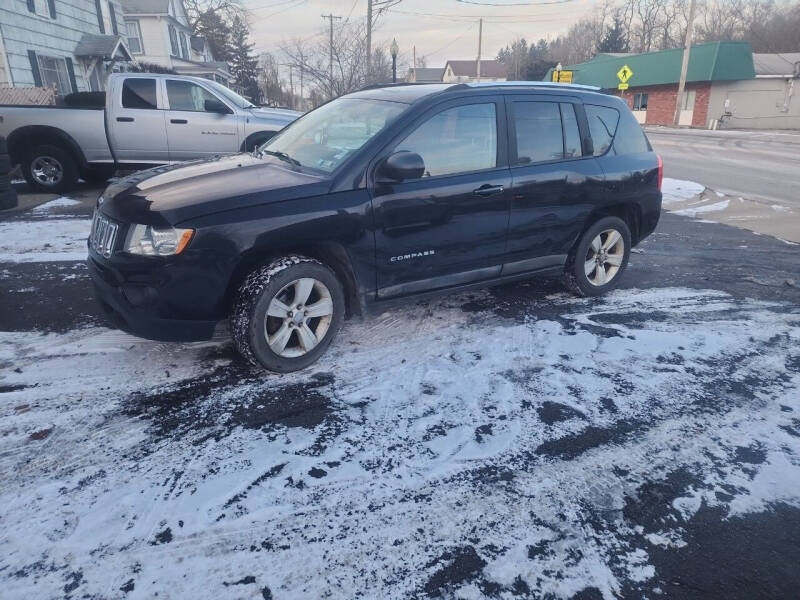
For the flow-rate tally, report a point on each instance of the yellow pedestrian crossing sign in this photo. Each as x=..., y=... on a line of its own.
x=624, y=74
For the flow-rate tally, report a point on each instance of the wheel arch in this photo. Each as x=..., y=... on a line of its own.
x=629, y=212
x=331, y=254
x=30, y=136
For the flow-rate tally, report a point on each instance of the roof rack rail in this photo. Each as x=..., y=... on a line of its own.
x=373, y=86
x=552, y=84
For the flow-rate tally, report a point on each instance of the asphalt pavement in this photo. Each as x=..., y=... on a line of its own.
x=511, y=442
x=754, y=164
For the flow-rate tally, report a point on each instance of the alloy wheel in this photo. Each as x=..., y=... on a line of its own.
x=604, y=257
x=47, y=170
x=298, y=317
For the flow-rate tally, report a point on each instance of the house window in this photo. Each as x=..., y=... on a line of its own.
x=640, y=102
x=134, y=37
x=53, y=71
x=687, y=102
x=173, y=40
x=184, y=47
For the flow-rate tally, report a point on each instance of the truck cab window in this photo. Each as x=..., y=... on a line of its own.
x=139, y=93
x=185, y=95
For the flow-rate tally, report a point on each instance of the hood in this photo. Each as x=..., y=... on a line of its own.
x=175, y=193
x=278, y=114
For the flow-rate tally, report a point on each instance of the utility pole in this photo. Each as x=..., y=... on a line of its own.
x=369, y=42
x=480, y=39
x=291, y=84
x=685, y=64
x=415, y=63
x=331, y=17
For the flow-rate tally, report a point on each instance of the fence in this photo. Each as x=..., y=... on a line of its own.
x=28, y=95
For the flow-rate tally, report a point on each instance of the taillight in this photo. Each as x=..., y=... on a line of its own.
x=660, y=171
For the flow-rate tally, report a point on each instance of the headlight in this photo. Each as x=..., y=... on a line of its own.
x=151, y=241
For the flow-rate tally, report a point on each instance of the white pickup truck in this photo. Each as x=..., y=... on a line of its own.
x=149, y=119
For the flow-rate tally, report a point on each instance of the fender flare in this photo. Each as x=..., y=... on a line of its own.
x=17, y=145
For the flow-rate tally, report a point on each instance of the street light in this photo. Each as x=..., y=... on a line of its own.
x=394, y=50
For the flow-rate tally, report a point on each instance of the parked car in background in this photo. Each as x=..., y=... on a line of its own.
x=382, y=195
x=148, y=119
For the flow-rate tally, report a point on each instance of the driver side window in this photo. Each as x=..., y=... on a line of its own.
x=457, y=140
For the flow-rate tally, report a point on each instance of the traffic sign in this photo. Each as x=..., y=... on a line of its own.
x=624, y=74
x=562, y=77
x=623, y=86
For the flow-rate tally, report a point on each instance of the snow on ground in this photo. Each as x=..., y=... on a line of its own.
x=678, y=190
x=438, y=448
x=43, y=240
x=62, y=202
x=693, y=211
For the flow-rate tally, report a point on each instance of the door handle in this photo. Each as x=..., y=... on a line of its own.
x=488, y=190
x=179, y=121
x=125, y=119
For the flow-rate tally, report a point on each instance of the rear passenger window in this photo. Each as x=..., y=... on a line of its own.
x=538, y=129
x=139, y=93
x=602, y=126
x=572, y=136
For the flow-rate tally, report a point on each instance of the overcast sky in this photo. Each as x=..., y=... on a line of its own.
x=440, y=29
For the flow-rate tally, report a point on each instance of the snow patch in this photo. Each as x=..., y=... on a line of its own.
x=677, y=190
x=62, y=202
x=49, y=240
x=702, y=209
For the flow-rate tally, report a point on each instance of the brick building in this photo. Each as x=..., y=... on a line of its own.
x=724, y=79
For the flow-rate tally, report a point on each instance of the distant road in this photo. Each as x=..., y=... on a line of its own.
x=761, y=166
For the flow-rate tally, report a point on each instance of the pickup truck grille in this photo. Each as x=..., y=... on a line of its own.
x=104, y=234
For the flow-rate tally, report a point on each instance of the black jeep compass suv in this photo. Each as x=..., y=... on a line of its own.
x=388, y=193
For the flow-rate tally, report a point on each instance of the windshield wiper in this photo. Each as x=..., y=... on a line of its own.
x=283, y=156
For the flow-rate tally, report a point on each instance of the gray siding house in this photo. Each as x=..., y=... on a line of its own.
x=69, y=44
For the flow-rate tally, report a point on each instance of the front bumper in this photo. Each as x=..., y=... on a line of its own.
x=115, y=298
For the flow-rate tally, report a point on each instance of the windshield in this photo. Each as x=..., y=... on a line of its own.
x=231, y=95
x=325, y=137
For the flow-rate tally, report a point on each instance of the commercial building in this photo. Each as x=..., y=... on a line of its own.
x=726, y=85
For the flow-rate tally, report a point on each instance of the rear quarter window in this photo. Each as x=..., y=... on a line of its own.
x=602, y=126
x=630, y=138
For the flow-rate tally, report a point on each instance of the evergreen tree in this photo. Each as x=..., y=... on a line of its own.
x=213, y=27
x=242, y=62
x=615, y=38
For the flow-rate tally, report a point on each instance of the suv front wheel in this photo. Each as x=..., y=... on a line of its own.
x=286, y=313
x=600, y=258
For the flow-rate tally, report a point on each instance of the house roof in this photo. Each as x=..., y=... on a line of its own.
x=103, y=46
x=145, y=7
x=715, y=61
x=468, y=68
x=777, y=65
x=427, y=74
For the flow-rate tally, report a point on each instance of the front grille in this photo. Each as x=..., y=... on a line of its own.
x=104, y=234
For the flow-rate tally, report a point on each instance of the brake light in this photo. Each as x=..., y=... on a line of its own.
x=660, y=171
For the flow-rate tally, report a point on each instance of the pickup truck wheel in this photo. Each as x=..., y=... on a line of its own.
x=599, y=258
x=50, y=169
x=286, y=313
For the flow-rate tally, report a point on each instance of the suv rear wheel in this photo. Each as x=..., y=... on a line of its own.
x=286, y=313
x=600, y=258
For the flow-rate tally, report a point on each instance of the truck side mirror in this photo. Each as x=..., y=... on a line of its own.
x=215, y=106
x=400, y=166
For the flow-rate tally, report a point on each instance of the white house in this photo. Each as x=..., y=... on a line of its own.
x=158, y=32
x=463, y=71
x=71, y=45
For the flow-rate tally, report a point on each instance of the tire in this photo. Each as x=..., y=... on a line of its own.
x=5, y=164
x=99, y=174
x=281, y=280
x=3, y=145
x=58, y=166
x=586, y=279
x=8, y=199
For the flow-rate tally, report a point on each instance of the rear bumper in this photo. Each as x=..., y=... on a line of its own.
x=141, y=321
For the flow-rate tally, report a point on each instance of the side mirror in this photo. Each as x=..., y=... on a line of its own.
x=401, y=166
x=215, y=106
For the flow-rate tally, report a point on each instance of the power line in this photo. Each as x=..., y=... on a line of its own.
x=331, y=17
